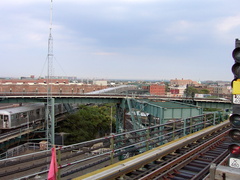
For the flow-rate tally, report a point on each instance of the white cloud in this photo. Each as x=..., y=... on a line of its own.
x=113, y=33
x=141, y=1
x=228, y=24
x=108, y=1
x=180, y=27
x=19, y=2
x=105, y=53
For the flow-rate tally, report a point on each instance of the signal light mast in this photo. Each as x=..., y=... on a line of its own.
x=234, y=133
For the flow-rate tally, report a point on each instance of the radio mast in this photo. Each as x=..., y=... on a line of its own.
x=49, y=108
x=50, y=49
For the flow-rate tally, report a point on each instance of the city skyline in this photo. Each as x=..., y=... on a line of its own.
x=127, y=39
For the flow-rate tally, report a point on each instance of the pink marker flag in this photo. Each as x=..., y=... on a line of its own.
x=53, y=169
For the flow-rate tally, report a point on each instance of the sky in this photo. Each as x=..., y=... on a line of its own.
x=120, y=39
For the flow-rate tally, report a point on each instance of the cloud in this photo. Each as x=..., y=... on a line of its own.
x=168, y=37
x=15, y=3
x=229, y=24
x=105, y=53
x=110, y=1
x=179, y=27
x=29, y=30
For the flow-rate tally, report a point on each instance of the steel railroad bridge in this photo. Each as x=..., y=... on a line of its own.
x=106, y=98
x=139, y=113
x=164, y=108
x=133, y=112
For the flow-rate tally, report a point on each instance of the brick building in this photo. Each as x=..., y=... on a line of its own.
x=40, y=86
x=221, y=90
x=174, y=91
x=157, y=89
x=177, y=91
x=33, y=81
x=182, y=82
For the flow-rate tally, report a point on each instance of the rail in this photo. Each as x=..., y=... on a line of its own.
x=4, y=95
x=24, y=130
x=107, y=149
x=194, y=164
x=142, y=164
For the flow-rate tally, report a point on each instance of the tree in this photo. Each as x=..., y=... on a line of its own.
x=167, y=89
x=190, y=91
x=87, y=123
x=204, y=91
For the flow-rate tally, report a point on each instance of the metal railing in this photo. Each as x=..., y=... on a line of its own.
x=117, y=145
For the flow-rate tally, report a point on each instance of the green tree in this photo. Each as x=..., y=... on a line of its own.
x=204, y=91
x=190, y=91
x=87, y=123
x=167, y=89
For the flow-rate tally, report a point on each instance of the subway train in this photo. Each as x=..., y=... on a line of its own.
x=11, y=118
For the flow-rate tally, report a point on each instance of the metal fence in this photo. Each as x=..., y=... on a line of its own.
x=121, y=145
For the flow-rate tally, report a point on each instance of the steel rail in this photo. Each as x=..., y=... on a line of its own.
x=5, y=95
x=185, y=159
x=90, y=143
x=138, y=162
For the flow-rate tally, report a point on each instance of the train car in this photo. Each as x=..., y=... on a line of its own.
x=11, y=118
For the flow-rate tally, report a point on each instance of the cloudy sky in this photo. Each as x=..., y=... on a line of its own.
x=123, y=39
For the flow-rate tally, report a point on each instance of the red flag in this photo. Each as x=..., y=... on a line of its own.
x=53, y=169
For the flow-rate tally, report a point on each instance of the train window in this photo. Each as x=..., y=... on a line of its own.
x=24, y=115
x=5, y=118
x=38, y=111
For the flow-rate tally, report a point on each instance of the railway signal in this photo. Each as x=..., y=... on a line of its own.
x=234, y=133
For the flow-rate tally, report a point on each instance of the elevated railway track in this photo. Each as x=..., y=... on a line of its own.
x=186, y=158
x=109, y=98
x=24, y=133
x=191, y=164
x=107, y=95
x=79, y=159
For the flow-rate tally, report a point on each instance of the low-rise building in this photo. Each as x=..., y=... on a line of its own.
x=41, y=86
x=182, y=82
x=177, y=91
x=100, y=82
x=157, y=89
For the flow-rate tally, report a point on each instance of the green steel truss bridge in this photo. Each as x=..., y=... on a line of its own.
x=133, y=112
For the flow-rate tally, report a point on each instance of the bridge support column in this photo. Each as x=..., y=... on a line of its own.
x=120, y=119
x=50, y=121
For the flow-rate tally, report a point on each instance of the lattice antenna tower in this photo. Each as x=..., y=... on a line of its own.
x=50, y=127
x=50, y=54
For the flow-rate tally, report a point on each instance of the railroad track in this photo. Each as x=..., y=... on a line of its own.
x=166, y=161
x=189, y=162
x=36, y=164
x=23, y=130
